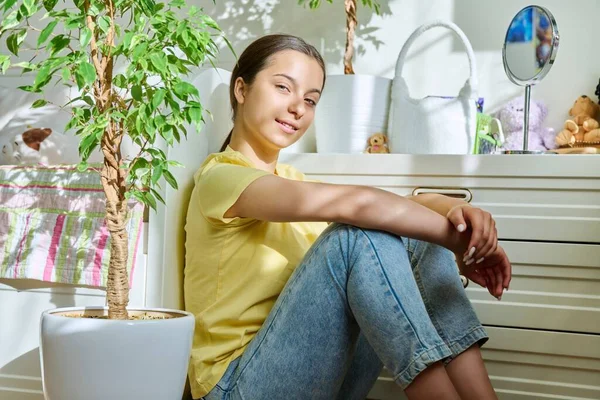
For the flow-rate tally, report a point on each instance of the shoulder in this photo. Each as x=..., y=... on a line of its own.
x=289, y=172
x=218, y=161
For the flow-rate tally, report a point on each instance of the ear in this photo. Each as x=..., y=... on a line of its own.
x=385, y=139
x=240, y=89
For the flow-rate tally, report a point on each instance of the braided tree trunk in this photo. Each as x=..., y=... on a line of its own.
x=351, y=22
x=113, y=176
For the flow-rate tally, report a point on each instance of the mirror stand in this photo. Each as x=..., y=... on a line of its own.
x=529, y=50
x=526, y=117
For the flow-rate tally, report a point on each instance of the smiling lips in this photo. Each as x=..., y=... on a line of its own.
x=287, y=127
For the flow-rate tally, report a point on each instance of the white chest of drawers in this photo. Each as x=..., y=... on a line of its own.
x=545, y=333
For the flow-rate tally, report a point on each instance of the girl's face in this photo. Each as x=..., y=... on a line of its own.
x=279, y=106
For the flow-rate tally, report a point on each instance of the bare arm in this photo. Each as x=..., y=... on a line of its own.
x=271, y=198
x=437, y=202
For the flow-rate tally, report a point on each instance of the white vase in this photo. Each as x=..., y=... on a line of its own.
x=100, y=359
x=352, y=108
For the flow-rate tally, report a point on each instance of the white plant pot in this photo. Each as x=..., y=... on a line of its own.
x=100, y=359
x=352, y=108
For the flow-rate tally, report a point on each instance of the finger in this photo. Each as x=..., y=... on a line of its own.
x=474, y=221
x=486, y=221
x=479, y=279
x=492, y=281
x=457, y=219
x=507, y=268
x=499, y=280
x=489, y=248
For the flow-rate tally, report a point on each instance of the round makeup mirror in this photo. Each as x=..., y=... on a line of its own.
x=529, y=50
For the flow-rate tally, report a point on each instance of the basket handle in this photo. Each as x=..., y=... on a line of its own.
x=472, y=81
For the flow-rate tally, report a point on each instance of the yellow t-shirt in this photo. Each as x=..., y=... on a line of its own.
x=235, y=267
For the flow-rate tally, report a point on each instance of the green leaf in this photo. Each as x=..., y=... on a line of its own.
x=45, y=34
x=30, y=6
x=87, y=145
x=136, y=92
x=120, y=81
x=82, y=166
x=25, y=65
x=13, y=42
x=104, y=23
x=50, y=4
x=157, y=195
x=183, y=89
x=156, y=174
x=11, y=21
x=88, y=72
x=150, y=200
x=66, y=74
x=170, y=179
x=167, y=134
x=159, y=61
x=80, y=80
x=158, y=98
x=174, y=163
x=195, y=114
x=42, y=77
x=39, y=103
x=4, y=63
x=140, y=172
x=148, y=7
x=57, y=44
x=8, y=4
x=85, y=37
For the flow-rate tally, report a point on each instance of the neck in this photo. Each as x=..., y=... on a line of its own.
x=262, y=158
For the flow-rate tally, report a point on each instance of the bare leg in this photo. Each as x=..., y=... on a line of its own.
x=469, y=376
x=432, y=383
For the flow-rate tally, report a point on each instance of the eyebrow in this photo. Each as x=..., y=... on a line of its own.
x=296, y=83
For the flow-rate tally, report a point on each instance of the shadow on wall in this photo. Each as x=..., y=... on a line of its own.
x=23, y=375
x=325, y=27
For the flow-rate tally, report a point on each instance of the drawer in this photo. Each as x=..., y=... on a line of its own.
x=555, y=286
x=542, y=198
x=527, y=365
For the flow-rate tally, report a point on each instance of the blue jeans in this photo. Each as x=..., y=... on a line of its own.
x=359, y=300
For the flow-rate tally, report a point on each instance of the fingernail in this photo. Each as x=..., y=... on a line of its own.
x=461, y=228
x=470, y=261
x=465, y=258
x=472, y=251
x=499, y=298
x=480, y=260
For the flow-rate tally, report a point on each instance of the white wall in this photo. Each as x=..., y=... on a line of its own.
x=437, y=64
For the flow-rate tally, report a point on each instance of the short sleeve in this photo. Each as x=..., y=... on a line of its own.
x=219, y=188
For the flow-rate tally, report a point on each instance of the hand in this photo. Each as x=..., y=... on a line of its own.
x=494, y=273
x=481, y=225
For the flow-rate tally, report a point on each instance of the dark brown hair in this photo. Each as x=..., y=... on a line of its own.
x=256, y=57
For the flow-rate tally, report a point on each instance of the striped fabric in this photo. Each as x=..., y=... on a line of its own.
x=52, y=225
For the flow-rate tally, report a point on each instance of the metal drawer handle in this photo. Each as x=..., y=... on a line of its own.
x=463, y=194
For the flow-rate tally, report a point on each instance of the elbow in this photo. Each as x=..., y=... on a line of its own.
x=358, y=206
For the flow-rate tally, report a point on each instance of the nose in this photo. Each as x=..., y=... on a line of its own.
x=297, y=107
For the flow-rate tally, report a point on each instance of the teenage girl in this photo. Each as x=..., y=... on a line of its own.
x=288, y=306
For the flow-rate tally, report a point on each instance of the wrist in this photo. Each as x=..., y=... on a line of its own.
x=451, y=239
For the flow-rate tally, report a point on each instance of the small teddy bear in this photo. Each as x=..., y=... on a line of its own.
x=511, y=118
x=583, y=126
x=377, y=144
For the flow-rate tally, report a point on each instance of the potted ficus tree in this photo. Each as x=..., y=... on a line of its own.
x=353, y=107
x=128, y=60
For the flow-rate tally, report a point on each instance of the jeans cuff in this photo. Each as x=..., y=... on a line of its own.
x=420, y=362
x=476, y=335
